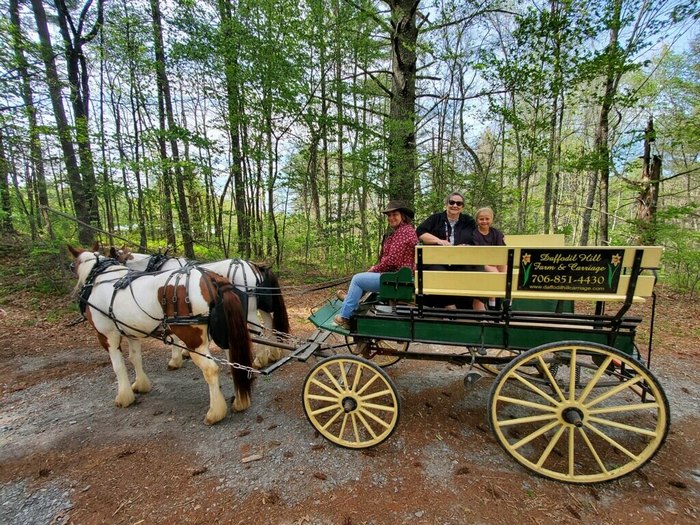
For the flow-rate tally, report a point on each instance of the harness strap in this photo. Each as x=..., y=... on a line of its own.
x=100, y=266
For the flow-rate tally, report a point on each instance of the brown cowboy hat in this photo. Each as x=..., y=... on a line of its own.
x=400, y=206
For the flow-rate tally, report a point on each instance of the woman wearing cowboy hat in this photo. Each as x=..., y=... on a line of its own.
x=397, y=251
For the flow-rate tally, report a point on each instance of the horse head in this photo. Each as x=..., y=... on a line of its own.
x=83, y=262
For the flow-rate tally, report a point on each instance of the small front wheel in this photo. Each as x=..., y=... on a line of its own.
x=351, y=401
x=590, y=414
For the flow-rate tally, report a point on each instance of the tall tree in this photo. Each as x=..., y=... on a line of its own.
x=172, y=131
x=228, y=48
x=75, y=36
x=401, y=124
x=19, y=43
x=79, y=194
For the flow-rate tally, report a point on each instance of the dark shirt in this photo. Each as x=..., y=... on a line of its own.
x=438, y=225
x=493, y=238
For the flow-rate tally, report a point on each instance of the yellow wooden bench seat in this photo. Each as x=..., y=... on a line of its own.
x=474, y=283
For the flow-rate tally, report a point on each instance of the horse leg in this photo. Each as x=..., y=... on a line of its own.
x=141, y=384
x=240, y=402
x=177, y=354
x=175, y=357
x=210, y=370
x=125, y=396
x=265, y=354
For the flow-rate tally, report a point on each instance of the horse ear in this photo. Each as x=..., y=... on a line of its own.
x=113, y=252
x=74, y=251
x=96, y=247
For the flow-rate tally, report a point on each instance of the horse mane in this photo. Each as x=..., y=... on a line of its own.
x=273, y=299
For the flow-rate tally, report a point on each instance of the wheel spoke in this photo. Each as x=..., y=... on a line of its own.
x=550, y=446
x=572, y=375
x=615, y=390
x=611, y=441
x=331, y=420
x=536, y=389
x=327, y=399
x=369, y=383
x=376, y=394
x=552, y=381
x=594, y=380
x=327, y=388
x=622, y=426
x=328, y=408
x=535, y=435
x=592, y=450
x=368, y=427
x=624, y=408
x=525, y=420
x=332, y=379
x=525, y=403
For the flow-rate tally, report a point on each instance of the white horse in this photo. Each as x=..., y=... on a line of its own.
x=120, y=303
x=257, y=287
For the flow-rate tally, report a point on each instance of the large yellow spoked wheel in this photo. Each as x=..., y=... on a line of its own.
x=370, y=348
x=351, y=401
x=593, y=414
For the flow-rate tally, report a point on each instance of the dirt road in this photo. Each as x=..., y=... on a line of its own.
x=68, y=455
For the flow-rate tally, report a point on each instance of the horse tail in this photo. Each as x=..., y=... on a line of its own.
x=280, y=318
x=240, y=347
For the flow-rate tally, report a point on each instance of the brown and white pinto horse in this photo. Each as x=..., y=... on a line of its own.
x=257, y=286
x=122, y=304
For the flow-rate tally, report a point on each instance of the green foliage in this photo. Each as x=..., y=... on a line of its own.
x=40, y=267
x=682, y=248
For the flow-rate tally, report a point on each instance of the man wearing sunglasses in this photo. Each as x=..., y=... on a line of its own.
x=448, y=228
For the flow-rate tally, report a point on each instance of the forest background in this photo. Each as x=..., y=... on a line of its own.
x=277, y=129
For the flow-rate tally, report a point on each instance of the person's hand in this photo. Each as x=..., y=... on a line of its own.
x=443, y=242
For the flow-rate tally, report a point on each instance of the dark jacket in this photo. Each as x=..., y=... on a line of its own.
x=438, y=225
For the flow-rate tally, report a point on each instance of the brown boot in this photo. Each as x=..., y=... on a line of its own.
x=341, y=294
x=342, y=322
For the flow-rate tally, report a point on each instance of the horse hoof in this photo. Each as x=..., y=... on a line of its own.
x=213, y=420
x=124, y=401
x=239, y=405
x=141, y=389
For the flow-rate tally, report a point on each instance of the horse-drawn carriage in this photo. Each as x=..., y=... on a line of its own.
x=572, y=397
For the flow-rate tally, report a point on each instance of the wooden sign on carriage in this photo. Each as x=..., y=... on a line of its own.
x=595, y=270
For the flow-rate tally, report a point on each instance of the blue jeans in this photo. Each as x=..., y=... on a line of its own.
x=360, y=283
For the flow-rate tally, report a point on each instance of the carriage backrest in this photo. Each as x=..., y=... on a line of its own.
x=574, y=273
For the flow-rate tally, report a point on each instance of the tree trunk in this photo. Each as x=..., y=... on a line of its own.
x=5, y=205
x=75, y=182
x=37, y=160
x=164, y=88
x=78, y=79
x=233, y=98
x=602, y=147
x=649, y=194
x=401, y=124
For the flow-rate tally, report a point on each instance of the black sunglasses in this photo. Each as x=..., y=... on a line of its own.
x=456, y=203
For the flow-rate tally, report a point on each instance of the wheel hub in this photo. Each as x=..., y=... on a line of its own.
x=349, y=404
x=573, y=416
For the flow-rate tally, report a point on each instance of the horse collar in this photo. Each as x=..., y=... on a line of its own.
x=99, y=267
